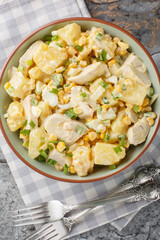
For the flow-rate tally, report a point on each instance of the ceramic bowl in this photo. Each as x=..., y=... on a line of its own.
x=100, y=172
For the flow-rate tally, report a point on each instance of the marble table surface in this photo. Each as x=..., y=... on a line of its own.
x=142, y=19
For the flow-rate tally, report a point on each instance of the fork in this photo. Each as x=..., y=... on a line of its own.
x=55, y=210
x=59, y=229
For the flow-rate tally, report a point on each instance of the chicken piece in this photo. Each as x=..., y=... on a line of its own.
x=132, y=115
x=59, y=157
x=134, y=94
x=28, y=55
x=82, y=160
x=138, y=133
x=15, y=116
x=64, y=128
x=89, y=73
x=97, y=125
x=70, y=33
x=19, y=86
x=49, y=58
x=118, y=126
x=36, y=143
x=105, y=154
x=27, y=105
x=135, y=69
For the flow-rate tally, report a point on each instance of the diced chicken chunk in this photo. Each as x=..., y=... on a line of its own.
x=89, y=73
x=82, y=160
x=36, y=143
x=138, y=133
x=28, y=55
x=97, y=125
x=104, y=154
x=135, y=69
x=15, y=116
x=64, y=128
x=49, y=58
x=27, y=105
x=59, y=157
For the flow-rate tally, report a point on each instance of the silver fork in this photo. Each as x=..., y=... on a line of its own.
x=59, y=229
x=55, y=210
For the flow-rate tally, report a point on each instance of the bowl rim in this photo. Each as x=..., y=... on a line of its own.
x=38, y=30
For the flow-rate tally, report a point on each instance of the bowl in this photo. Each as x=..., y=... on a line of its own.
x=100, y=172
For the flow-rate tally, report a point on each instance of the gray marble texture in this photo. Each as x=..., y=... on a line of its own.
x=142, y=19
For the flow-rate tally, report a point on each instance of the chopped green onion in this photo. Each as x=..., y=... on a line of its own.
x=66, y=85
x=122, y=142
x=48, y=42
x=65, y=170
x=27, y=144
x=55, y=142
x=97, y=59
x=55, y=37
x=103, y=56
x=57, y=79
x=32, y=124
x=99, y=36
x=103, y=84
x=99, y=109
x=123, y=87
x=55, y=91
x=48, y=38
x=122, y=136
x=40, y=158
x=59, y=44
x=70, y=113
x=83, y=95
x=29, y=62
x=66, y=63
x=43, y=153
x=151, y=91
x=106, y=137
x=69, y=154
x=114, y=96
x=42, y=139
x=111, y=167
x=25, y=123
x=79, y=130
x=50, y=147
x=35, y=102
x=105, y=100
x=51, y=162
x=20, y=68
x=25, y=132
x=59, y=88
x=79, y=48
x=136, y=108
x=117, y=149
x=121, y=57
x=11, y=89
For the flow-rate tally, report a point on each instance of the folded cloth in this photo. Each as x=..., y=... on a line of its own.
x=17, y=19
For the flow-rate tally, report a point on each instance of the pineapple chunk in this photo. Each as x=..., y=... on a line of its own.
x=49, y=58
x=20, y=86
x=118, y=126
x=37, y=74
x=15, y=117
x=134, y=94
x=28, y=55
x=82, y=160
x=104, y=154
x=45, y=111
x=70, y=33
x=36, y=143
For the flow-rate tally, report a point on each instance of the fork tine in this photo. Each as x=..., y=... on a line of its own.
x=39, y=230
x=39, y=216
x=51, y=237
x=41, y=205
x=47, y=233
x=41, y=221
x=34, y=214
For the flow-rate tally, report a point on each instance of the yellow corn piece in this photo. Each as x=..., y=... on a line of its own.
x=80, y=142
x=61, y=146
x=90, y=119
x=83, y=63
x=146, y=109
x=73, y=65
x=72, y=170
x=7, y=85
x=145, y=102
x=102, y=135
x=92, y=135
x=86, y=138
x=60, y=69
x=150, y=121
x=52, y=137
x=127, y=121
x=111, y=62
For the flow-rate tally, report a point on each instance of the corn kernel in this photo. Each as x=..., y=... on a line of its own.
x=58, y=167
x=68, y=89
x=61, y=146
x=123, y=45
x=80, y=142
x=7, y=85
x=145, y=102
x=60, y=69
x=120, y=51
x=72, y=170
x=92, y=135
x=52, y=137
x=38, y=97
x=73, y=65
x=71, y=51
x=126, y=121
x=102, y=135
x=111, y=62
x=105, y=107
x=121, y=104
x=150, y=121
x=78, y=110
x=90, y=119
x=110, y=87
x=60, y=94
x=83, y=63
x=147, y=109
x=65, y=99
x=154, y=115
x=86, y=138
